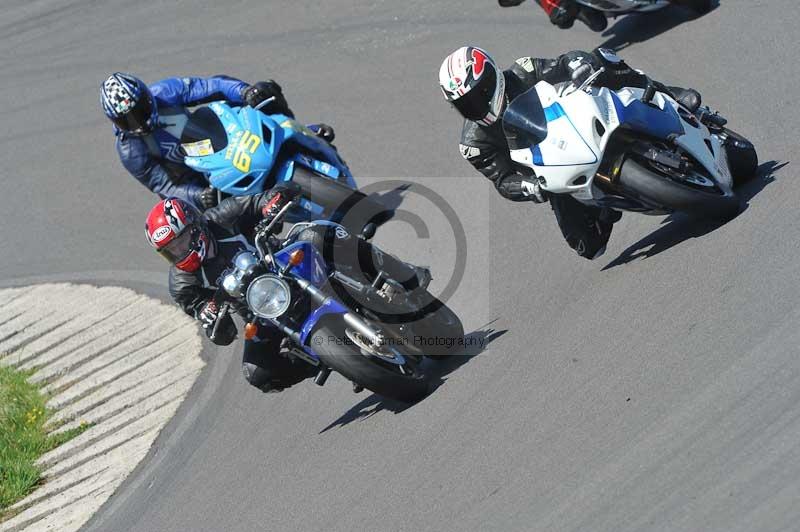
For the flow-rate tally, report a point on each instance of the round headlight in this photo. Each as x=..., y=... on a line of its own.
x=268, y=296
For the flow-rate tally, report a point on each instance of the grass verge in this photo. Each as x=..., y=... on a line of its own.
x=23, y=438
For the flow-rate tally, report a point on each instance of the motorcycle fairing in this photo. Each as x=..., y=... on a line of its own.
x=312, y=268
x=661, y=122
x=254, y=141
x=564, y=145
x=331, y=306
x=595, y=116
x=242, y=166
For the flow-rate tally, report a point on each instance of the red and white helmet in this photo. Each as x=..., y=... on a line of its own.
x=179, y=233
x=471, y=81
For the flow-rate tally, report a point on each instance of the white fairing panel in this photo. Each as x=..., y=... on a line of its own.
x=572, y=150
x=694, y=142
x=623, y=6
x=580, y=125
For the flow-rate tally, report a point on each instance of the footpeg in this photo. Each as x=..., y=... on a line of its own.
x=322, y=376
x=390, y=289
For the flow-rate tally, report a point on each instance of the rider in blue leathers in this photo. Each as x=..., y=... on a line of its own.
x=148, y=121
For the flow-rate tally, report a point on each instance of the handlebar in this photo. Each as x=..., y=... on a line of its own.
x=264, y=103
x=586, y=83
x=262, y=240
x=222, y=313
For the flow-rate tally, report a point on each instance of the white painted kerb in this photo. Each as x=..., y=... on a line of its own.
x=109, y=356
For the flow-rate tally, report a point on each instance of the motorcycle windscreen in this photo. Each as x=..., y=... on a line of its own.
x=524, y=121
x=203, y=134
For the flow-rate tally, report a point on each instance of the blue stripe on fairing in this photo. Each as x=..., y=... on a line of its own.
x=537, y=156
x=553, y=112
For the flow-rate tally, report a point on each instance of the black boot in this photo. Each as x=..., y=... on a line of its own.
x=564, y=17
x=594, y=20
x=609, y=216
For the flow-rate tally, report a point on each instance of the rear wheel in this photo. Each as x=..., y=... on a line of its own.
x=390, y=371
x=692, y=191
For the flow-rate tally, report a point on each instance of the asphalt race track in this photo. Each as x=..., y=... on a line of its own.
x=657, y=388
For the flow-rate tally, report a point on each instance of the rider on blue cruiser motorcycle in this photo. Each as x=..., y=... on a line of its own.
x=472, y=82
x=201, y=246
x=148, y=121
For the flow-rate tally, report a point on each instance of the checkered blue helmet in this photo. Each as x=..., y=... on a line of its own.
x=128, y=103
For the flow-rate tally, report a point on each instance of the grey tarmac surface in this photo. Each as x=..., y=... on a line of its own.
x=653, y=389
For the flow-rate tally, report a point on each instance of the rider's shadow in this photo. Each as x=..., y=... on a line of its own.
x=640, y=27
x=679, y=227
x=381, y=207
x=477, y=342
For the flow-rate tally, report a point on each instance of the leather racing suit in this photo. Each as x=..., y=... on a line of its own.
x=156, y=159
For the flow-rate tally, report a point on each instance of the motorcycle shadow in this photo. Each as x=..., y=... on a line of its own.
x=678, y=227
x=476, y=343
x=640, y=27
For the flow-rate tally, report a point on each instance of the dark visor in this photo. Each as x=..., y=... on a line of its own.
x=179, y=247
x=137, y=120
x=475, y=104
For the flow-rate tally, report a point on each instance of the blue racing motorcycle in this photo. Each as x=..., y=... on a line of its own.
x=367, y=328
x=243, y=151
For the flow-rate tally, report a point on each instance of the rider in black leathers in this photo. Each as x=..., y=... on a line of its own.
x=232, y=225
x=586, y=229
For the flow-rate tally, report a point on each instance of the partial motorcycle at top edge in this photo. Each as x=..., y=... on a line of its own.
x=595, y=13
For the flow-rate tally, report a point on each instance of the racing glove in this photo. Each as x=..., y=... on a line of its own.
x=208, y=314
x=208, y=198
x=226, y=331
x=580, y=73
x=516, y=187
x=277, y=198
x=323, y=131
x=264, y=90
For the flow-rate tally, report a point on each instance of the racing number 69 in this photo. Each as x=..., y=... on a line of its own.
x=248, y=143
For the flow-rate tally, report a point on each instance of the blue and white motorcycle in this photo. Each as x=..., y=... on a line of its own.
x=336, y=318
x=631, y=149
x=243, y=151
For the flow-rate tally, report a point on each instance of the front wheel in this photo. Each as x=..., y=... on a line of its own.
x=389, y=371
x=694, y=192
x=440, y=331
x=742, y=157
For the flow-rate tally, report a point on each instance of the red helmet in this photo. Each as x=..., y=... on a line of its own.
x=179, y=233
